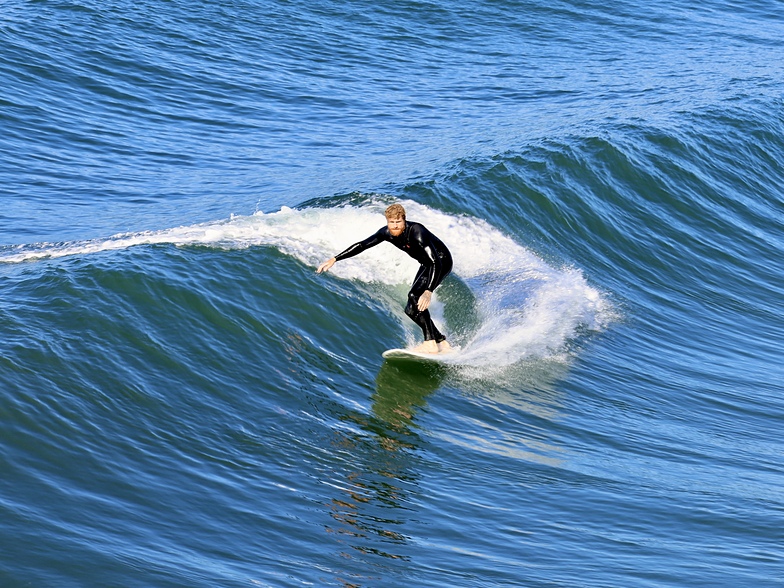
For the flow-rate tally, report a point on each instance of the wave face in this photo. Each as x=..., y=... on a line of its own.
x=184, y=401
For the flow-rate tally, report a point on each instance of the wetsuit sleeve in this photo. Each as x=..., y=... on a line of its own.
x=358, y=248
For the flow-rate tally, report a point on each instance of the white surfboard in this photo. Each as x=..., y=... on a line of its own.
x=417, y=356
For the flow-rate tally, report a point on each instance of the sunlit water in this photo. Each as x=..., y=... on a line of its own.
x=186, y=402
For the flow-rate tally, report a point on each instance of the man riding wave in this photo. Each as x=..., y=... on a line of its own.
x=435, y=264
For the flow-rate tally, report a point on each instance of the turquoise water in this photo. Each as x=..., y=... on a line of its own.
x=185, y=402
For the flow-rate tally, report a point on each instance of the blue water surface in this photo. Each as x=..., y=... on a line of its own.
x=184, y=401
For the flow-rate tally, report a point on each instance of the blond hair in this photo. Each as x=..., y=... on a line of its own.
x=395, y=211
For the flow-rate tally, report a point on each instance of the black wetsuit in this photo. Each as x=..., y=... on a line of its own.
x=430, y=252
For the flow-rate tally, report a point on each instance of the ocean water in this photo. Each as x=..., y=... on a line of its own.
x=185, y=402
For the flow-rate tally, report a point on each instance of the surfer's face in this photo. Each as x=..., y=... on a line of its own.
x=396, y=226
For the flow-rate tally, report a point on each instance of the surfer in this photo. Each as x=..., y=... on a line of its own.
x=435, y=264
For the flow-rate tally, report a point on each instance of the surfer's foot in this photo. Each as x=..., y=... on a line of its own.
x=444, y=347
x=427, y=347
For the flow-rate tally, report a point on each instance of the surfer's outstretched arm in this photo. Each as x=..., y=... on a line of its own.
x=355, y=249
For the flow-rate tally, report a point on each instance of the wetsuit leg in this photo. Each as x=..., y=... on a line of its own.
x=423, y=319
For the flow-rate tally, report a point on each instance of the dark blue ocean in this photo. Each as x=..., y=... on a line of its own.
x=185, y=402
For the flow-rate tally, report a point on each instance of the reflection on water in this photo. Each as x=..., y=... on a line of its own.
x=399, y=392
x=372, y=478
x=374, y=503
x=375, y=492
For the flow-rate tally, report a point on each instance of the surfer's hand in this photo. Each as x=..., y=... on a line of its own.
x=326, y=265
x=424, y=301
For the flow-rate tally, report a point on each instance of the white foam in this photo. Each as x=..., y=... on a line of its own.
x=526, y=307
